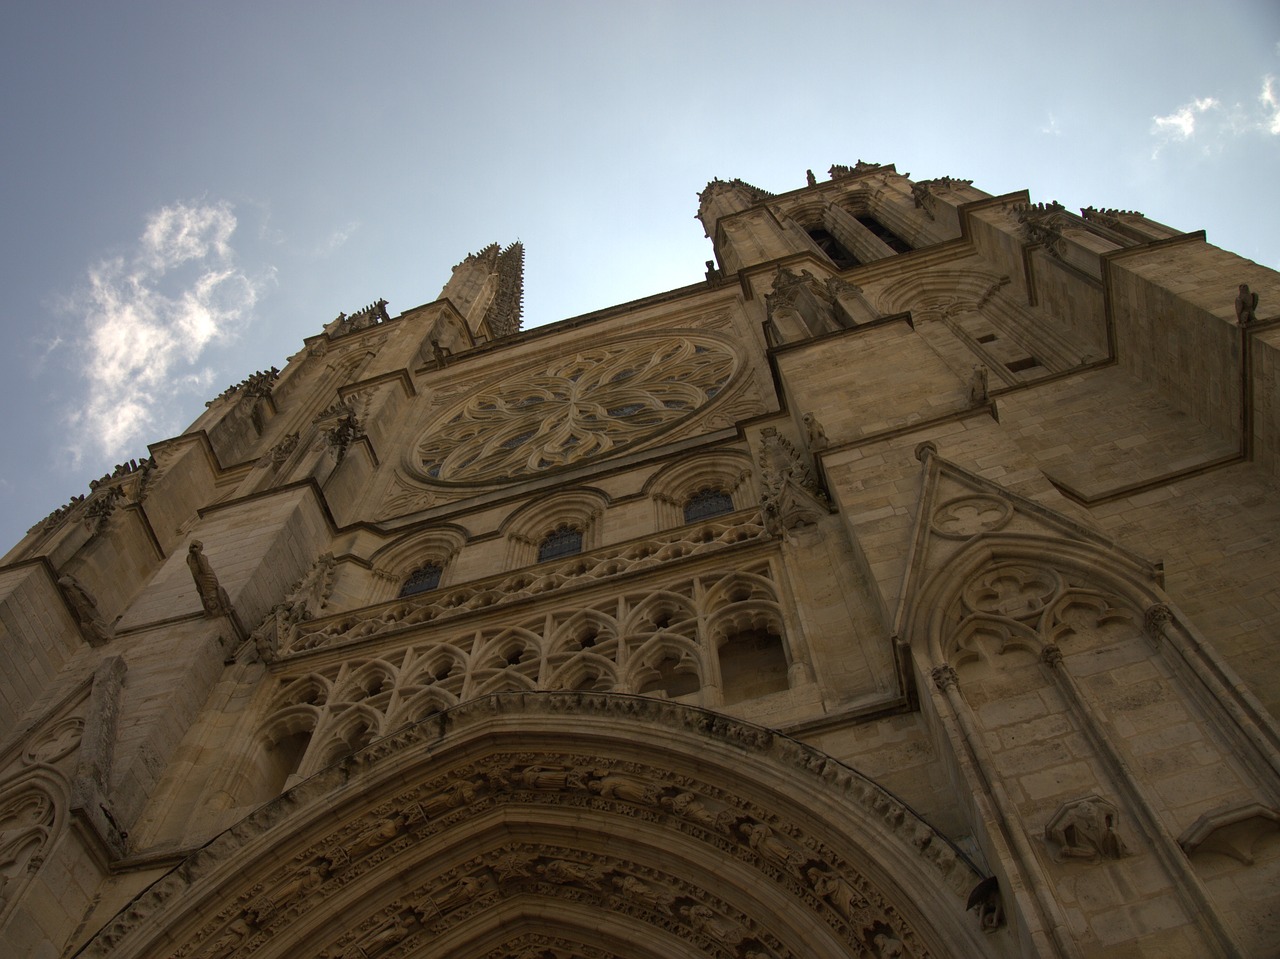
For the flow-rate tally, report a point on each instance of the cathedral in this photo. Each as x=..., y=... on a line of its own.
x=907, y=587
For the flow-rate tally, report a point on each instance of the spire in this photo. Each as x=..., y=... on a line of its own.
x=724, y=197
x=503, y=315
x=488, y=289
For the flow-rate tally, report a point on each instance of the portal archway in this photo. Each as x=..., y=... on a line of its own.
x=567, y=824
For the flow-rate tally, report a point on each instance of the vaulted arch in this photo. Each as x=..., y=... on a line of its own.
x=499, y=825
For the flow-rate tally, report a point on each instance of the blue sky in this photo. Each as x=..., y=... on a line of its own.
x=190, y=189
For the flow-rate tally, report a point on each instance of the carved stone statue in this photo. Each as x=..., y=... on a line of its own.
x=1086, y=830
x=978, y=390
x=887, y=946
x=565, y=872
x=440, y=353
x=212, y=596
x=809, y=178
x=1246, y=306
x=817, y=435
x=836, y=890
x=789, y=495
x=337, y=439
x=96, y=632
x=273, y=457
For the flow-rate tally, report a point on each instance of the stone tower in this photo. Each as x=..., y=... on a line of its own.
x=906, y=588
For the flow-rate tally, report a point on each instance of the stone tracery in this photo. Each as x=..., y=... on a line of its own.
x=409, y=612
x=597, y=402
x=665, y=641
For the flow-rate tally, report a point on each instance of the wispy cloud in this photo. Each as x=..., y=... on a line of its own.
x=1051, y=127
x=1181, y=123
x=148, y=317
x=1270, y=105
x=1211, y=123
x=336, y=239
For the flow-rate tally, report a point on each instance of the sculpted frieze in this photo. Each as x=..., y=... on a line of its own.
x=361, y=848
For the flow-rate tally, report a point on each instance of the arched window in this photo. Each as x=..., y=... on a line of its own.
x=707, y=502
x=884, y=234
x=833, y=248
x=422, y=579
x=561, y=541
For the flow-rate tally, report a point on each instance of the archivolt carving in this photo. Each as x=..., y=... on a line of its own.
x=660, y=642
x=597, y=402
x=938, y=295
x=438, y=605
x=31, y=813
x=415, y=866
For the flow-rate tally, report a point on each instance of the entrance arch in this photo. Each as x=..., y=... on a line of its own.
x=555, y=824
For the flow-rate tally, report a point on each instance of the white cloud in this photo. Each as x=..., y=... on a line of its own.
x=1052, y=128
x=1211, y=123
x=1181, y=123
x=180, y=233
x=146, y=324
x=336, y=239
x=1270, y=106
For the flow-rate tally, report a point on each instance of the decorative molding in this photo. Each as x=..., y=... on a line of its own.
x=256, y=386
x=789, y=495
x=1232, y=831
x=303, y=602
x=423, y=813
x=372, y=315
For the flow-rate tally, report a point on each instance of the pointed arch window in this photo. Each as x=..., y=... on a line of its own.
x=884, y=234
x=833, y=248
x=422, y=580
x=707, y=502
x=562, y=541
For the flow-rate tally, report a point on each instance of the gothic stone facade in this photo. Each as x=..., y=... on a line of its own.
x=905, y=589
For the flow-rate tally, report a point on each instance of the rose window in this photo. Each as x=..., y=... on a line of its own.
x=593, y=403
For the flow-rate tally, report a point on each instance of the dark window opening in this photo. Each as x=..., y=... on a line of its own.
x=707, y=502
x=422, y=580
x=1026, y=363
x=833, y=248
x=752, y=664
x=672, y=679
x=281, y=760
x=885, y=235
x=987, y=338
x=562, y=541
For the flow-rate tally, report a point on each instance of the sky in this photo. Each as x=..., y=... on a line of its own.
x=190, y=189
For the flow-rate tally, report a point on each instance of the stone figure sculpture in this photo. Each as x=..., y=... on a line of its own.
x=212, y=596
x=85, y=608
x=1246, y=306
x=817, y=435
x=978, y=386
x=1086, y=830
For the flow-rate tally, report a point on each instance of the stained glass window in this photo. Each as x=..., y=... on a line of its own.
x=562, y=541
x=707, y=502
x=422, y=579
